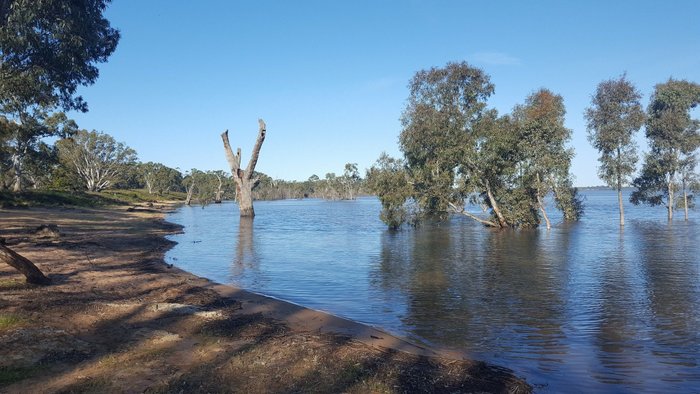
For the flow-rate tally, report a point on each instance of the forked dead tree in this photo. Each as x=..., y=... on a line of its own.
x=244, y=178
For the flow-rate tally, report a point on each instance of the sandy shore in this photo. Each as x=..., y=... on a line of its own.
x=118, y=319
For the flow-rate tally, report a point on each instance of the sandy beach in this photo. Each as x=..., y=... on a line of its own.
x=116, y=318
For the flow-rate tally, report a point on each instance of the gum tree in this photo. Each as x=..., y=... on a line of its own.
x=613, y=118
x=674, y=137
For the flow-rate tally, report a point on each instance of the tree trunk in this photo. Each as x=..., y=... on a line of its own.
x=670, y=199
x=188, y=200
x=17, y=171
x=23, y=265
x=685, y=201
x=219, y=191
x=494, y=205
x=539, y=203
x=544, y=213
x=244, y=178
x=622, y=209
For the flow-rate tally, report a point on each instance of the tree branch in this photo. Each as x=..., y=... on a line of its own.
x=469, y=215
x=262, y=129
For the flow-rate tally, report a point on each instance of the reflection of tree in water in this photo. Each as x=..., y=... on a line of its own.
x=621, y=307
x=245, y=258
x=479, y=289
x=670, y=265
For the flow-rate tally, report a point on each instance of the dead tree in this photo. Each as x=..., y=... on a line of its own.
x=244, y=178
x=23, y=265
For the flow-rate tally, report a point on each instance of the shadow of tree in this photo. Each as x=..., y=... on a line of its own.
x=146, y=327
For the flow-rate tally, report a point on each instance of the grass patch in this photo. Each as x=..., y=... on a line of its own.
x=8, y=321
x=12, y=284
x=9, y=375
x=62, y=198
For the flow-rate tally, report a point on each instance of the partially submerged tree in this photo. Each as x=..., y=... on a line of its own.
x=457, y=150
x=674, y=137
x=388, y=179
x=614, y=116
x=96, y=157
x=544, y=159
x=245, y=182
x=443, y=106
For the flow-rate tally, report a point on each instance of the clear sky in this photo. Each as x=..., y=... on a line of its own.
x=330, y=77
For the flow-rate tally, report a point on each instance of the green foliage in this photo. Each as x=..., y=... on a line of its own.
x=48, y=49
x=60, y=198
x=443, y=105
x=388, y=179
x=97, y=158
x=25, y=156
x=159, y=178
x=544, y=159
x=613, y=118
x=674, y=138
x=456, y=149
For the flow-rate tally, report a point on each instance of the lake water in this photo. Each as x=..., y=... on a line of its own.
x=582, y=307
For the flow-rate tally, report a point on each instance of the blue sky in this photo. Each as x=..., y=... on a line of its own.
x=330, y=77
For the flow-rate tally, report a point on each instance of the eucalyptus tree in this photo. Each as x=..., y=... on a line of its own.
x=545, y=160
x=388, y=179
x=24, y=140
x=351, y=181
x=674, y=138
x=613, y=118
x=97, y=158
x=244, y=179
x=437, y=136
x=159, y=178
x=47, y=50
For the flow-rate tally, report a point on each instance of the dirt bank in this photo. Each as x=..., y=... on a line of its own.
x=118, y=319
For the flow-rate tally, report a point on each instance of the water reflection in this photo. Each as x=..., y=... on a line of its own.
x=245, y=258
x=584, y=307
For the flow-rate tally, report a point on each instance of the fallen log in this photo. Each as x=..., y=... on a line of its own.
x=23, y=265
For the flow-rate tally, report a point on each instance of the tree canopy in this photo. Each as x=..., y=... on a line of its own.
x=613, y=118
x=674, y=138
x=48, y=49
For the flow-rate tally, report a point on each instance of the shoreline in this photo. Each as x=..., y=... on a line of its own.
x=136, y=302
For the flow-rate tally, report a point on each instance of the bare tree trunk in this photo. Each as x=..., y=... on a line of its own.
x=670, y=199
x=494, y=205
x=17, y=170
x=219, y=190
x=541, y=205
x=544, y=213
x=23, y=265
x=190, y=191
x=244, y=178
x=469, y=215
x=622, y=209
x=685, y=200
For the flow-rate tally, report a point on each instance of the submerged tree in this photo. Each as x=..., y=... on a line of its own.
x=443, y=106
x=614, y=116
x=674, y=137
x=455, y=149
x=544, y=159
x=245, y=182
x=388, y=179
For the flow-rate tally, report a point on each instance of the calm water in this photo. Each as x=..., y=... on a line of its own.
x=582, y=307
